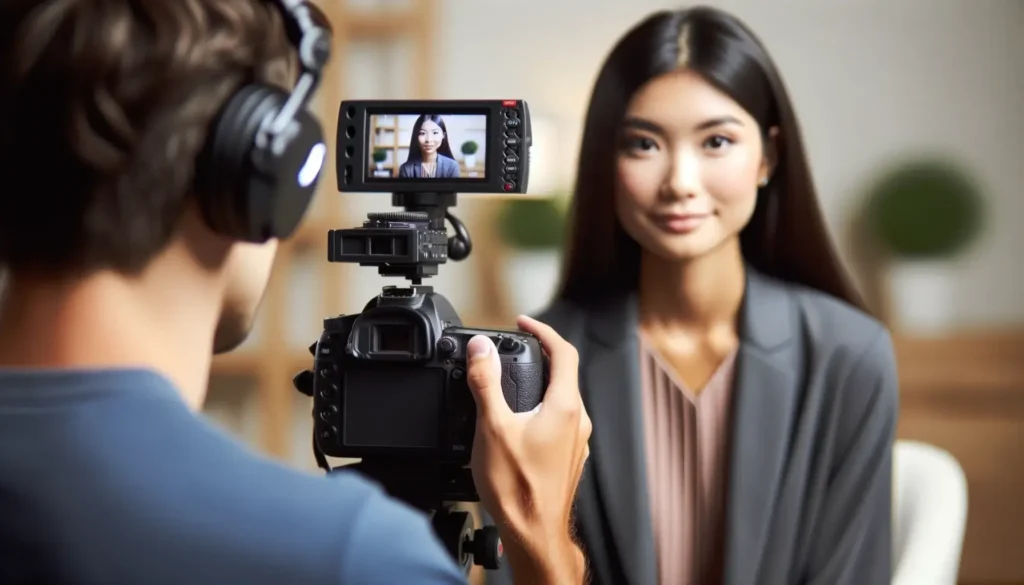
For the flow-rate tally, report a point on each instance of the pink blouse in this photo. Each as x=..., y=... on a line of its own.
x=686, y=439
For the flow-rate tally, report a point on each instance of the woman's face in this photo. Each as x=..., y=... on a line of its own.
x=688, y=164
x=430, y=137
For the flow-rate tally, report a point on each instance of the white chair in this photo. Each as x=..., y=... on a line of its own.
x=930, y=515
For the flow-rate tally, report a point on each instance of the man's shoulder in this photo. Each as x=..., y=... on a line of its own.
x=340, y=528
x=178, y=500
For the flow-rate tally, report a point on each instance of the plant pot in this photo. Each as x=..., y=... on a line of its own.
x=923, y=296
x=380, y=166
x=470, y=161
x=531, y=278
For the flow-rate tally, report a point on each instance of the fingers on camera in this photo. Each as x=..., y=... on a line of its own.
x=562, y=396
x=484, y=377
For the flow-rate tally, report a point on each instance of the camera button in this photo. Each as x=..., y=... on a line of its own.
x=510, y=345
x=328, y=413
x=508, y=186
x=447, y=345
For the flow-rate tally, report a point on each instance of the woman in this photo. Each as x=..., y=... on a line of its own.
x=743, y=402
x=430, y=155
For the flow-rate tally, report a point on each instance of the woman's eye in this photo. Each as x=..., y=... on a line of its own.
x=717, y=142
x=639, y=144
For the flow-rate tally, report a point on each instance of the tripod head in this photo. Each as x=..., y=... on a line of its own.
x=411, y=243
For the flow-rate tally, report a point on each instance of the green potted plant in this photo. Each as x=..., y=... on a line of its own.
x=533, y=229
x=379, y=156
x=924, y=214
x=469, y=149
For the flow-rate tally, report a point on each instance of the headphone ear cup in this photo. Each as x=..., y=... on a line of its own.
x=225, y=170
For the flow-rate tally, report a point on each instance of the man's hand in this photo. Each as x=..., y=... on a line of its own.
x=527, y=466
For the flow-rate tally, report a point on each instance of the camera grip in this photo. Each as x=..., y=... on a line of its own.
x=523, y=385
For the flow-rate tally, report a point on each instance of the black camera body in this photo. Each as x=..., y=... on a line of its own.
x=391, y=381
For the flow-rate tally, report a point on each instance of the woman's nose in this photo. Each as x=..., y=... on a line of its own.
x=683, y=181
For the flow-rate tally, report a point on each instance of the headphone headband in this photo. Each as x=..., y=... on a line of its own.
x=312, y=44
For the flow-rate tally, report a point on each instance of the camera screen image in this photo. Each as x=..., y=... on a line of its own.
x=427, y=147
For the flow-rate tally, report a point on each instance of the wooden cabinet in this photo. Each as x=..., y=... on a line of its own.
x=965, y=394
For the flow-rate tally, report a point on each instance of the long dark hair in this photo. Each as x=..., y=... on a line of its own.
x=415, y=154
x=786, y=237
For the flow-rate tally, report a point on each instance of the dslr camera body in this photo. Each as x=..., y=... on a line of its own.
x=389, y=384
x=391, y=381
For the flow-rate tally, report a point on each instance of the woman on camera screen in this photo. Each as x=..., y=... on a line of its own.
x=430, y=155
x=743, y=401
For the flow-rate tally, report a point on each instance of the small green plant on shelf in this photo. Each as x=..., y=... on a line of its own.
x=928, y=209
x=380, y=155
x=532, y=224
x=469, y=149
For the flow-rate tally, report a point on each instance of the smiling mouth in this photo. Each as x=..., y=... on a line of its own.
x=681, y=223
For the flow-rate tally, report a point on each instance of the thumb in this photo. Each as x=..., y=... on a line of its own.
x=483, y=372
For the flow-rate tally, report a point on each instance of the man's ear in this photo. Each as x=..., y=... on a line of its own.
x=771, y=156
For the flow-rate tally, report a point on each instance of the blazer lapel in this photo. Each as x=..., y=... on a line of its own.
x=764, y=401
x=610, y=384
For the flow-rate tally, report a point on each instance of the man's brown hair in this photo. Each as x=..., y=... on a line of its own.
x=104, y=107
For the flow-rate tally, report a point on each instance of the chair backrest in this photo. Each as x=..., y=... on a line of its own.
x=930, y=509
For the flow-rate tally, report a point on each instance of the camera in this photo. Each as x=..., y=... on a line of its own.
x=389, y=383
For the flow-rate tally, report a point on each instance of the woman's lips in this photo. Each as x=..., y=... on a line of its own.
x=681, y=223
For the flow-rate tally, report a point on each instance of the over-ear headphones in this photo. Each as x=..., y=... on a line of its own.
x=262, y=159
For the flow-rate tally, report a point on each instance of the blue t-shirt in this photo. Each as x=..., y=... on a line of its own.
x=107, y=478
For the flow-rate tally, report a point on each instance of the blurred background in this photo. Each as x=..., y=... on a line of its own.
x=912, y=112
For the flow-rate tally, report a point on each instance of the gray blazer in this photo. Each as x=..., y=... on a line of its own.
x=813, y=426
x=447, y=168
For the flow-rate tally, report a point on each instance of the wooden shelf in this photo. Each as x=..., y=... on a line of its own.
x=377, y=24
